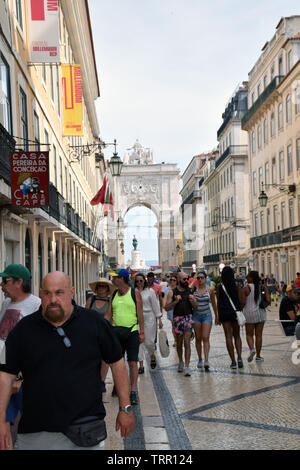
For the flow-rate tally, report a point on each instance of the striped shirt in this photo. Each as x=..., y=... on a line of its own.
x=203, y=302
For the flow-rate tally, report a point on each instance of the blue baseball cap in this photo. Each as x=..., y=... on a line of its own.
x=120, y=273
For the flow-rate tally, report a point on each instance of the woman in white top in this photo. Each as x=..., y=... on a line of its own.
x=255, y=316
x=151, y=311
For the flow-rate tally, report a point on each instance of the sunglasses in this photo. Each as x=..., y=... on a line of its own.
x=173, y=280
x=6, y=279
x=140, y=280
x=62, y=334
x=185, y=279
x=200, y=277
x=101, y=285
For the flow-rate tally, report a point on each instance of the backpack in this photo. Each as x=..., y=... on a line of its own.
x=132, y=295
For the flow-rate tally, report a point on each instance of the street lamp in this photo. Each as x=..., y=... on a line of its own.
x=115, y=163
x=263, y=198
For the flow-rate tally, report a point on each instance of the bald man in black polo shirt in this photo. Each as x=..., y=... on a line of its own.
x=59, y=351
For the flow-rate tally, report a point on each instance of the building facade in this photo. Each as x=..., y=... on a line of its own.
x=226, y=192
x=273, y=125
x=192, y=212
x=61, y=236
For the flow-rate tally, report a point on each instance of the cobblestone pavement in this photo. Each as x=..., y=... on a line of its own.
x=257, y=407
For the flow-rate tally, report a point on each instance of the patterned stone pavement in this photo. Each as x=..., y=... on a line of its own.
x=257, y=407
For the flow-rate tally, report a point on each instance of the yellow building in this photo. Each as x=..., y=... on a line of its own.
x=61, y=236
x=273, y=125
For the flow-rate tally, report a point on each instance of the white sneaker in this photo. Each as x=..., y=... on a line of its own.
x=187, y=372
x=259, y=359
x=180, y=367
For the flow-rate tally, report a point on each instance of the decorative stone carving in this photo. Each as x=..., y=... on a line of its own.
x=139, y=155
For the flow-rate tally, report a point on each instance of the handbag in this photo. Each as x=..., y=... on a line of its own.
x=239, y=314
x=263, y=301
x=87, y=432
x=163, y=342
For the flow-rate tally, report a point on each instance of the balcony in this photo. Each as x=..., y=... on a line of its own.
x=277, y=238
x=194, y=195
x=232, y=150
x=211, y=259
x=7, y=145
x=261, y=100
x=229, y=117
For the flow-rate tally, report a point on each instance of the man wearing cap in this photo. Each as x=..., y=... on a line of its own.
x=125, y=312
x=287, y=311
x=19, y=303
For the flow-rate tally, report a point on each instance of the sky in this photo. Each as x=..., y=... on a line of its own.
x=167, y=68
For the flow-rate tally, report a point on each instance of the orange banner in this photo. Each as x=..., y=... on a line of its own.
x=72, y=95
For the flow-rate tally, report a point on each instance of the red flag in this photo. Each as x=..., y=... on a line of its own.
x=100, y=196
x=111, y=206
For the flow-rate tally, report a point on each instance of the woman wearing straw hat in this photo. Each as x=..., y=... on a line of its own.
x=102, y=289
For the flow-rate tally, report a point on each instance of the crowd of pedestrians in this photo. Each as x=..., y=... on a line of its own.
x=58, y=354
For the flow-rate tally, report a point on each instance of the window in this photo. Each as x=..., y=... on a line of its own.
x=272, y=72
x=5, y=97
x=260, y=177
x=275, y=218
x=268, y=221
x=19, y=13
x=57, y=90
x=262, y=223
x=254, y=185
x=265, y=131
x=280, y=66
x=256, y=225
x=66, y=183
x=282, y=215
x=252, y=98
x=259, y=137
x=51, y=83
x=288, y=108
x=291, y=212
x=290, y=159
x=267, y=173
x=24, y=121
x=55, y=165
x=61, y=176
x=36, y=131
x=265, y=81
x=272, y=125
x=289, y=61
x=297, y=98
x=281, y=166
x=258, y=90
x=280, y=117
x=274, y=171
x=298, y=153
x=253, y=142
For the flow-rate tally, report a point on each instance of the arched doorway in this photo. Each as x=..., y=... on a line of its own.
x=141, y=223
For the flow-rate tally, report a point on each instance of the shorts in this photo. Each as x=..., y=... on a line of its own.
x=183, y=325
x=131, y=346
x=202, y=318
x=50, y=441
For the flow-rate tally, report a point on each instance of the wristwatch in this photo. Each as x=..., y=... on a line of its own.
x=126, y=409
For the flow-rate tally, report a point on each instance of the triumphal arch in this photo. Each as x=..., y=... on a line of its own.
x=155, y=186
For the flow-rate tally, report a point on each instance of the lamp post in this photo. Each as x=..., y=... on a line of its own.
x=115, y=163
x=263, y=198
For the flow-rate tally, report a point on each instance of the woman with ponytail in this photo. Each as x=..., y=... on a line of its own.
x=254, y=314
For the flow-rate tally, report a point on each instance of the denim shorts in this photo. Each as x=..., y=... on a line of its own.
x=202, y=318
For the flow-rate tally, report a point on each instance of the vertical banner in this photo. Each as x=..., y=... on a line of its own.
x=29, y=179
x=72, y=98
x=43, y=29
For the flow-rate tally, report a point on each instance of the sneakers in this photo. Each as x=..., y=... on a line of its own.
x=240, y=363
x=259, y=359
x=134, y=398
x=180, y=367
x=251, y=355
x=200, y=364
x=233, y=365
x=206, y=365
x=187, y=372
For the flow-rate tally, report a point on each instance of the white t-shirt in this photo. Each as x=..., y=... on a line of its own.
x=12, y=312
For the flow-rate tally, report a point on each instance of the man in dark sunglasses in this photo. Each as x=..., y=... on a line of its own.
x=19, y=302
x=59, y=349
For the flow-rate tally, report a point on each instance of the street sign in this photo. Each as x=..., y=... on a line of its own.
x=30, y=179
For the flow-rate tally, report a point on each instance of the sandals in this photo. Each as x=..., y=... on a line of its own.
x=153, y=363
x=141, y=370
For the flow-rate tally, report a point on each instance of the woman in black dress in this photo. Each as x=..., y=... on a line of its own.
x=227, y=315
